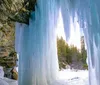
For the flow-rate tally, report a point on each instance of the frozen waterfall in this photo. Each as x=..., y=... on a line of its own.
x=88, y=13
x=36, y=42
x=36, y=45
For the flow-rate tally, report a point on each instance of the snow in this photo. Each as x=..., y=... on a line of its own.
x=73, y=77
x=6, y=81
x=10, y=81
x=65, y=77
x=69, y=74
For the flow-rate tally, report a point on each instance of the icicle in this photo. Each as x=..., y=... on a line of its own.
x=89, y=19
x=37, y=47
x=36, y=43
x=66, y=17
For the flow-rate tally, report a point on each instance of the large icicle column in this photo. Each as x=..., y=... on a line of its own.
x=36, y=45
x=88, y=12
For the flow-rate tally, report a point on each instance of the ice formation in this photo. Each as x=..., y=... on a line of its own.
x=36, y=42
x=88, y=14
x=1, y=72
x=36, y=45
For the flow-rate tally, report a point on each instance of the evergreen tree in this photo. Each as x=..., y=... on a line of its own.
x=61, y=52
x=68, y=55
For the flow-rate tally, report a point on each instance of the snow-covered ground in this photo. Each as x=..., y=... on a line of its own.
x=65, y=77
x=72, y=77
x=6, y=81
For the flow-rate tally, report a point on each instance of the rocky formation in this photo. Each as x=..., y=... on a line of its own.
x=7, y=53
x=8, y=61
x=11, y=73
x=16, y=10
x=14, y=74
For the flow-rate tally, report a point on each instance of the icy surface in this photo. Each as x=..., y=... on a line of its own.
x=1, y=72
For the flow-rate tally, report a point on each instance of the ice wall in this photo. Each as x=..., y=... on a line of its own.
x=1, y=72
x=36, y=42
x=88, y=12
x=36, y=45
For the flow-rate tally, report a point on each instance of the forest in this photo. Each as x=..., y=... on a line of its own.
x=71, y=55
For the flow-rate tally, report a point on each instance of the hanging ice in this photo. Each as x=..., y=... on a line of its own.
x=36, y=43
x=88, y=12
x=1, y=72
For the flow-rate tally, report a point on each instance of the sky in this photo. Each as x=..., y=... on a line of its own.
x=75, y=32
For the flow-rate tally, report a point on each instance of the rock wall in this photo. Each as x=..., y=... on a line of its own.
x=8, y=56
